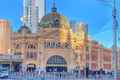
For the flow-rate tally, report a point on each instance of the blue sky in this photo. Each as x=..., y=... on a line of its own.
x=96, y=14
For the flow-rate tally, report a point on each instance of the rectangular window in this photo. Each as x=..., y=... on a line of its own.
x=31, y=55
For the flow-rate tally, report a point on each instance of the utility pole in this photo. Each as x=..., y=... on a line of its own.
x=86, y=52
x=114, y=36
x=115, y=27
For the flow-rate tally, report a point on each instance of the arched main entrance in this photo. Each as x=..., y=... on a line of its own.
x=56, y=64
x=31, y=67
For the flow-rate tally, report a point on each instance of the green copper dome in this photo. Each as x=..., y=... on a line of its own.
x=54, y=19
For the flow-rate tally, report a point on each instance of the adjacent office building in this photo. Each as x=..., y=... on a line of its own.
x=33, y=11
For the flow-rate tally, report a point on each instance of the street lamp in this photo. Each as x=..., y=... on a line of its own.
x=115, y=27
x=86, y=51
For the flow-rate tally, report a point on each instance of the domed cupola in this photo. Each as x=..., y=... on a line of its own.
x=24, y=29
x=53, y=19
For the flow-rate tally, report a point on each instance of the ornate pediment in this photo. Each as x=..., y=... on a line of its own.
x=50, y=34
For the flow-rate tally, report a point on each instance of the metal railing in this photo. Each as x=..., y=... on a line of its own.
x=55, y=76
x=10, y=58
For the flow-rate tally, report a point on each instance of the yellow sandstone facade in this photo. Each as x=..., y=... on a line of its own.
x=54, y=47
x=38, y=48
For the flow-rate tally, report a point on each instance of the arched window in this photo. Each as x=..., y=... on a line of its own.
x=17, y=46
x=53, y=44
x=57, y=22
x=58, y=45
x=56, y=63
x=31, y=46
x=49, y=44
x=56, y=60
x=66, y=45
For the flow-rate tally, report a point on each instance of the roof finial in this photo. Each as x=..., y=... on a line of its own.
x=54, y=9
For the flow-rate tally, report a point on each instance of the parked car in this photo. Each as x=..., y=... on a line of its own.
x=4, y=73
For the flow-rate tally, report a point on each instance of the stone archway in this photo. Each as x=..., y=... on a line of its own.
x=56, y=63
